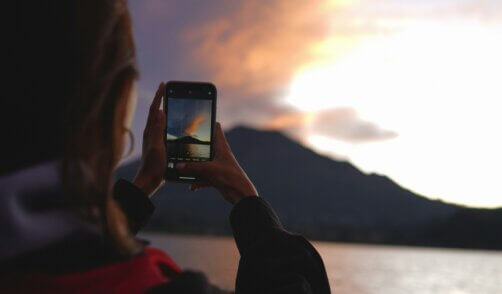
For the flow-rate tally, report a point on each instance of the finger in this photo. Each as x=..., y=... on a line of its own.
x=155, y=106
x=157, y=100
x=153, y=110
x=220, y=135
x=195, y=168
x=157, y=131
x=200, y=185
x=184, y=166
x=220, y=141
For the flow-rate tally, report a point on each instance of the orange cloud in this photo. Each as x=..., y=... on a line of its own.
x=194, y=124
x=257, y=48
x=288, y=121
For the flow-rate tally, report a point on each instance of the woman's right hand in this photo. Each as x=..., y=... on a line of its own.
x=223, y=172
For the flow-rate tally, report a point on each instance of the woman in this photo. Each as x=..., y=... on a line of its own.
x=64, y=226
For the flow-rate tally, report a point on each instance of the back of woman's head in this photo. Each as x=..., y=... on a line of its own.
x=74, y=66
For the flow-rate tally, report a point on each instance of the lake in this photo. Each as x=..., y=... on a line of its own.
x=353, y=268
x=184, y=150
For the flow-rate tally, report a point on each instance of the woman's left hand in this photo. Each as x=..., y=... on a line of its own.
x=150, y=175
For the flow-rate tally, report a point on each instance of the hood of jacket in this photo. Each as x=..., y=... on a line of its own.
x=34, y=214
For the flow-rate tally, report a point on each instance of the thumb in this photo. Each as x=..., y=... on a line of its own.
x=196, y=168
x=158, y=127
x=196, y=186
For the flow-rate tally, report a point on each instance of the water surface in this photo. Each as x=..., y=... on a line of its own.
x=356, y=268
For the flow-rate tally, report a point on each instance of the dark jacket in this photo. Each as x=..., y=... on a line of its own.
x=39, y=233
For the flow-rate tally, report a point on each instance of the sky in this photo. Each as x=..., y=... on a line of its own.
x=406, y=88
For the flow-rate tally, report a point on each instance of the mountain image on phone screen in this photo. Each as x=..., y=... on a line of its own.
x=188, y=129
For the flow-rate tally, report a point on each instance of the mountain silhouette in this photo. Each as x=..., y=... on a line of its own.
x=324, y=199
x=188, y=140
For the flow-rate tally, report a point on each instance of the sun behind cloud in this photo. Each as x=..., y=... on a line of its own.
x=434, y=83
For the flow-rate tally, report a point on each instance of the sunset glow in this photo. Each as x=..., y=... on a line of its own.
x=408, y=89
x=435, y=84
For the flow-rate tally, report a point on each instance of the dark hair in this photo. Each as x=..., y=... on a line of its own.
x=74, y=67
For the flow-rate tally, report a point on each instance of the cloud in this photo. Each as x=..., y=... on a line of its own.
x=287, y=120
x=485, y=10
x=251, y=50
x=344, y=124
x=256, y=48
x=340, y=123
x=248, y=49
x=194, y=124
x=444, y=10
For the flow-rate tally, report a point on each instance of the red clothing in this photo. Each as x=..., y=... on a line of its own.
x=136, y=275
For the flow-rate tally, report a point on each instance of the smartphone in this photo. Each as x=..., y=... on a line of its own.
x=190, y=109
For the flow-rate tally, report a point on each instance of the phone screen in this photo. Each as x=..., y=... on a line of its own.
x=188, y=132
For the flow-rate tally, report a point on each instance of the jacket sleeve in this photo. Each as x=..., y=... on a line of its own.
x=136, y=205
x=272, y=259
